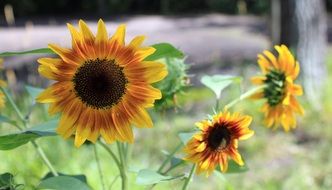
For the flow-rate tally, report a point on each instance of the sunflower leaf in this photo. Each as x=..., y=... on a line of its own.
x=7, y=182
x=186, y=136
x=149, y=177
x=164, y=50
x=63, y=182
x=79, y=177
x=4, y=119
x=35, y=51
x=33, y=91
x=217, y=83
x=11, y=141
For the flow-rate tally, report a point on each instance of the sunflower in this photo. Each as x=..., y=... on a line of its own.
x=280, y=91
x=102, y=85
x=2, y=84
x=218, y=140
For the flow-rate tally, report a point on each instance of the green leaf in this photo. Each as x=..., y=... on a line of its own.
x=12, y=141
x=4, y=119
x=7, y=182
x=79, y=177
x=63, y=182
x=233, y=167
x=35, y=51
x=33, y=91
x=219, y=82
x=44, y=129
x=164, y=50
x=186, y=136
x=149, y=177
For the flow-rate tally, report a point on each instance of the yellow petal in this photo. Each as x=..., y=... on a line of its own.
x=75, y=35
x=154, y=71
x=119, y=35
x=137, y=42
x=272, y=58
x=102, y=34
x=201, y=147
x=258, y=80
x=85, y=31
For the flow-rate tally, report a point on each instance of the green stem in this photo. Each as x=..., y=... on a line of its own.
x=25, y=124
x=188, y=179
x=12, y=103
x=123, y=164
x=244, y=96
x=217, y=104
x=169, y=157
x=99, y=167
x=44, y=158
x=108, y=149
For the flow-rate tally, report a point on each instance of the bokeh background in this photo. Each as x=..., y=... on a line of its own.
x=218, y=37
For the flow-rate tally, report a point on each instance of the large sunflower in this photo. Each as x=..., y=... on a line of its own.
x=279, y=91
x=102, y=85
x=218, y=140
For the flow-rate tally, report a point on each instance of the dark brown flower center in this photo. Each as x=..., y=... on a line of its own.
x=219, y=137
x=274, y=92
x=100, y=84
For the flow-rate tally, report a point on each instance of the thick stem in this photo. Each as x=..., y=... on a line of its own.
x=123, y=169
x=188, y=179
x=99, y=167
x=25, y=124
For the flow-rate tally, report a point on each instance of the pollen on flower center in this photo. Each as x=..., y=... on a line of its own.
x=100, y=84
x=219, y=137
x=274, y=92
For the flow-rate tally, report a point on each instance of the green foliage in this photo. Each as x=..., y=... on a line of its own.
x=62, y=182
x=174, y=83
x=186, y=136
x=4, y=119
x=7, y=182
x=217, y=83
x=33, y=91
x=35, y=51
x=12, y=141
x=164, y=50
x=149, y=177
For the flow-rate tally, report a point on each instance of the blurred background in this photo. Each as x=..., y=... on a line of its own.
x=218, y=37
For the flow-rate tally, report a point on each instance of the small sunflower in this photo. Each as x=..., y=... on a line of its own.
x=278, y=77
x=218, y=140
x=102, y=85
x=2, y=84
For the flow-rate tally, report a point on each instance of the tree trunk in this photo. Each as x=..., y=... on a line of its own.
x=311, y=49
x=303, y=28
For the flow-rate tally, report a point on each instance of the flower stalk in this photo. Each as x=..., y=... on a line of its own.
x=25, y=124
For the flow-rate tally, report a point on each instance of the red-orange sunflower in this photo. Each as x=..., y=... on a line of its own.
x=102, y=85
x=218, y=140
x=280, y=91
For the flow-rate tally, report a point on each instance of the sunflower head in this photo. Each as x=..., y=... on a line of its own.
x=278, y=76
x=217, y=140
x=102, y=85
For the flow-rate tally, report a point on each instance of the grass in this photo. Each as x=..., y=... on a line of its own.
x=277, y=160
